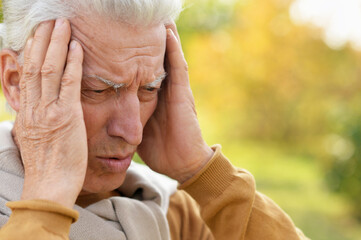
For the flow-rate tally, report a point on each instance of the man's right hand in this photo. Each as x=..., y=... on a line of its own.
x=49, y=126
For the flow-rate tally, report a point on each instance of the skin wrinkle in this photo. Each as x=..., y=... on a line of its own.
x=136, y=54
x=117, y=126
x=110, y=83
x=121, y=49
x=131, y=53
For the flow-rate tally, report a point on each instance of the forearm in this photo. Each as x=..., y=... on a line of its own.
x=38, y=219
x=232, y=208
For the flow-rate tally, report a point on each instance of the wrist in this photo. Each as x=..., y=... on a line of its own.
x=51, y=192
x=62, y=200
x=203, y=157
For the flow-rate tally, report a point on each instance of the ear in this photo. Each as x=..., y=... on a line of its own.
x=10, y=71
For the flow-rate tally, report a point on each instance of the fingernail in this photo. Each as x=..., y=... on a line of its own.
x=169, y=33
x=29, y=42
x=59, y=22
x=73, y=44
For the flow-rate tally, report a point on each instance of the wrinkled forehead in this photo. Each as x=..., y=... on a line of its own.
x=116, y=47
x=116, y=34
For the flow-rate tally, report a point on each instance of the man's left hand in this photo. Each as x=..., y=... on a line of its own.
x=172, y=140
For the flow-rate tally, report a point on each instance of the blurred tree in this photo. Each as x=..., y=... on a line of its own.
x=205, y=15
x=257, y=76
x=344, y=165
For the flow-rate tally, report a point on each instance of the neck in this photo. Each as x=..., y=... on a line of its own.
x=86, y=199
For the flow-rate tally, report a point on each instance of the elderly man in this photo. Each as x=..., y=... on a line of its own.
x=92, y=83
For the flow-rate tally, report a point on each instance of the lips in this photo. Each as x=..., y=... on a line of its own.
x=113, y=157
x=115, y=163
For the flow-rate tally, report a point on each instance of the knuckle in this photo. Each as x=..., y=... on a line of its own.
x=48, y=70
x=53, y=116
x=48, y=114
x=186, y=68
x=67, y=80
x=31, y=70
x=70, y=79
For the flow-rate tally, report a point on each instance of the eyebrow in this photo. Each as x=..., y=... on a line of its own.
x=106, y=81
x=159, y=79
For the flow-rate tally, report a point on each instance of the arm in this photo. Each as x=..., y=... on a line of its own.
x=233, y=209
x=49, y=119
x=38, y=219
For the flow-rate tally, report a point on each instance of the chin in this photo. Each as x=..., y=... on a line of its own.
x=103, y=183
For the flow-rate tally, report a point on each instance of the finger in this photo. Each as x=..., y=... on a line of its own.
x=53, y=67
x=178, y=68
x=173, y=27
x=33, y=60
x=71, y=81
x=23, y=79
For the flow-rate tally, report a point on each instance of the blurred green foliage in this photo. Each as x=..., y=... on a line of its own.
x=283, y=105
x=344, y=175
x=205, y=16
x=259, y=77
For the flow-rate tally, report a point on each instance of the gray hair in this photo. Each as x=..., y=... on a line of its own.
x=21, y=17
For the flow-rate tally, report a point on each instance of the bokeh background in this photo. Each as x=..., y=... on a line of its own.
x=277, y=83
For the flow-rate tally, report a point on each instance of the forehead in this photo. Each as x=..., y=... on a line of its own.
x=118, y=51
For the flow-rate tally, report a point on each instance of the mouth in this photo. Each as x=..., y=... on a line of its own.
x=113, y=158
x=115, y=164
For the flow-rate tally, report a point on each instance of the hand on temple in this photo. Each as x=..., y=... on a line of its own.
x=172, y=140
x=50, y=129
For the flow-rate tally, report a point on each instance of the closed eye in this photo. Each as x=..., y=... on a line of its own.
x=151, y=89
x=98, y=91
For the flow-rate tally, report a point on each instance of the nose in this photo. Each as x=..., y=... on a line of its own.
x=125, y=119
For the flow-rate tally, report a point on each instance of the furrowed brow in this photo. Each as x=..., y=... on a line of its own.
x=106, y=81
x=159, y=79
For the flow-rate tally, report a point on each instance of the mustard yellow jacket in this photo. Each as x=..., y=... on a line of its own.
x=220, y=202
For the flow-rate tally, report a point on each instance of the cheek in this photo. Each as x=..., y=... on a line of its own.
x=94, y=118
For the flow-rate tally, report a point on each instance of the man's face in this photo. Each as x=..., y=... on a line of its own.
x=132, y=59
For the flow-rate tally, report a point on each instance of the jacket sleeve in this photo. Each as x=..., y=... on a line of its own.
x=38, y=219
x=224, y=198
